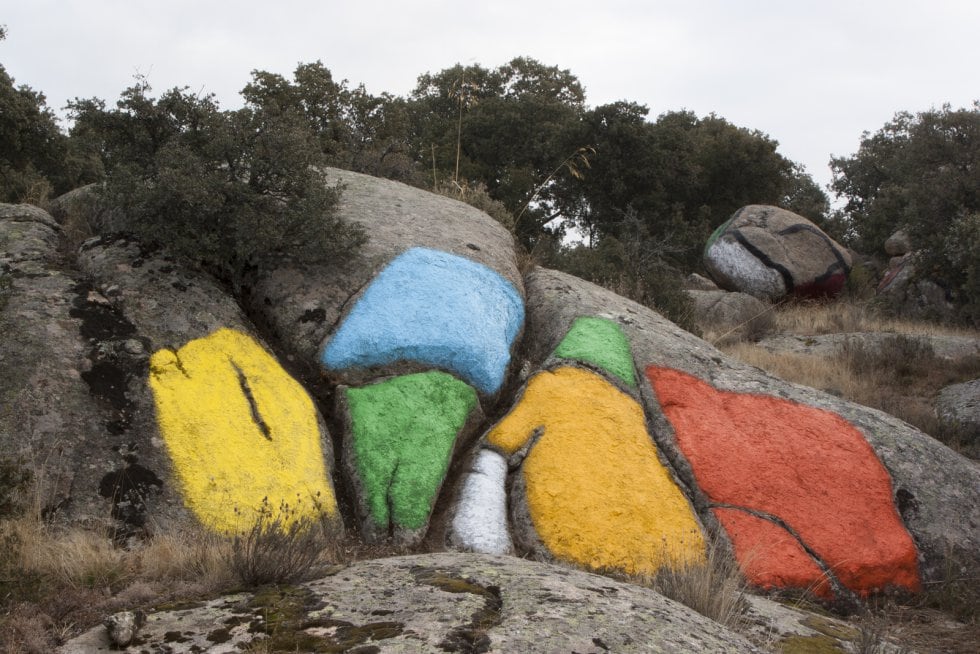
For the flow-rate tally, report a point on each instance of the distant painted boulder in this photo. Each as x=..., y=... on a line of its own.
x=812, y=492
x=770, y=253
x=907, y=293
x=417, y=330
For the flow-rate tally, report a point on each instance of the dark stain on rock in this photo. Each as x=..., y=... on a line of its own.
x=180, y=286
x=116, y=353
x=283, y=614
x=219, y=636
x=318, y=315
x=474, y=247
x=129, y=488
x=100, y=322
x=908, y=506
x=108, y=381
x=470, y=638
x=174, y=637
x=601, y=645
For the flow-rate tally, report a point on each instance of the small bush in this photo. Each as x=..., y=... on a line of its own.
x=281, y=548
x=476, y=195
x=713, y=587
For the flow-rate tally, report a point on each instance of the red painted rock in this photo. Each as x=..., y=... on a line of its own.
x=769, y=252
x=935, y=490
x=787, y=480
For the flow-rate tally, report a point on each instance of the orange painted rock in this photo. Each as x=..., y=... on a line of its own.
x=593, y=486
x=799, y=491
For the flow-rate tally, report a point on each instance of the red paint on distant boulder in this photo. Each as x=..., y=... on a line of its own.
x=808, y=467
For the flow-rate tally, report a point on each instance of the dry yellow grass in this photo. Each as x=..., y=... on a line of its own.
x=847, y=315
x=54, y=582
x=902, y=377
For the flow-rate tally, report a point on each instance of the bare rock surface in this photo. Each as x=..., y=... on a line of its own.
x=735, y=315
x=770, y=252
x=958, y=410
x=167, y=302
x=433, y=603
x=60, y=410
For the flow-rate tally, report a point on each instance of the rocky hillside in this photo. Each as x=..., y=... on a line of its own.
x=432, y=396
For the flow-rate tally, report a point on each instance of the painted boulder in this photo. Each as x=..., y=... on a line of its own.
x=206, y=420
x=770, y=253
x=588, y=484
x=812, y=492
x=417, y=331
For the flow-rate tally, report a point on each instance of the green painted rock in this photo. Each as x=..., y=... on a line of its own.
x=403, y=432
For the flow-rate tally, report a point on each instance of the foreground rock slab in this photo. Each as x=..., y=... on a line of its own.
x=436, y=603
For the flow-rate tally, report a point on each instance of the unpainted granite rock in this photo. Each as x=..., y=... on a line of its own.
x=432, y=603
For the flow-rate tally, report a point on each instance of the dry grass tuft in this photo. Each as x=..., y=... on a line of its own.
x=56, y=582
x=279, y=548
x=713, y=587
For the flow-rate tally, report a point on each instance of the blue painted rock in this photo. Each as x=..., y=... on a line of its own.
x=770, y=253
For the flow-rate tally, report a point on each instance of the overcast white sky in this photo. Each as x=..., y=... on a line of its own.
x=812, y=75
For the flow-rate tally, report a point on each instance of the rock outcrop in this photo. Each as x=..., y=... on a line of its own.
x=770, y=253
x=431, y=603
x=418, y=330
x=958, y=410
x=735, y=316
x=63, y=405
x=812, y=491
x=157, y=396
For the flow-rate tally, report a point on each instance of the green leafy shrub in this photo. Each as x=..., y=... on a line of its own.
x=226, y=188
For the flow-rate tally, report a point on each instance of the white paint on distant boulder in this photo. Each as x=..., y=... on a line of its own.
x=480, y=523
x=800, y=259
x=728, y=261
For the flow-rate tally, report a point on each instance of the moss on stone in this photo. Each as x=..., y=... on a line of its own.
x=821, y=644
x=831, y=628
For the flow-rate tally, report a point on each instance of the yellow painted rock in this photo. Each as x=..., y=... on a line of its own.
x=595, y=491
x=244, y=436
